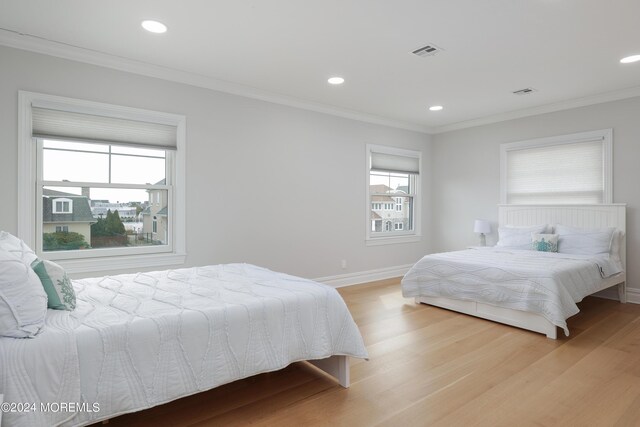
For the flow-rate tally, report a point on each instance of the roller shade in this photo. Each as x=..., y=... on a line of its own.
x=565, y=173
x=385, y=162
x=67, y=125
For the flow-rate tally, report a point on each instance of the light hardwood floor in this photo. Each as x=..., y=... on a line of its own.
x=433, y=367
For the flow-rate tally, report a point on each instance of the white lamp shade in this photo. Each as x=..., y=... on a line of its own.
x=481, y=226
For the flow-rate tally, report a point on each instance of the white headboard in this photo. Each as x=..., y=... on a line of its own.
x=584, y=216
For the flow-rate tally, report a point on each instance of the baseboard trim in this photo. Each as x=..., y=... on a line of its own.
x=350, y=279
x=633, y=294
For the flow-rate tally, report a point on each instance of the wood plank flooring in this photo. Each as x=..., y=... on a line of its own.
x=433, y=367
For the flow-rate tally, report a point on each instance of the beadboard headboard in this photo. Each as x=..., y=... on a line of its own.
x=584, y=216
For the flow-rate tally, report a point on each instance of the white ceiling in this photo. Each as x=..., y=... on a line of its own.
x=286, y=49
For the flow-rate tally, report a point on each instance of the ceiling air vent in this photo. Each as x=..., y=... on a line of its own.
x=525, y=91
x=428, y=50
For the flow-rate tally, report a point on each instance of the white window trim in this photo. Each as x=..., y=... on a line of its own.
x=55, y=201
x=394, y=237
x=27, y=191
x=607, y=145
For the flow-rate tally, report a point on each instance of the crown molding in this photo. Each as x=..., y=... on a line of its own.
x=40, y=45
x=61, y=50
x=542, y=109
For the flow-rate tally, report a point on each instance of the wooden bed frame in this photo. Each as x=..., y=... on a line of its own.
x=585, y=216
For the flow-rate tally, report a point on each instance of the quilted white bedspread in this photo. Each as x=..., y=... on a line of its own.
x=149, y=338
x=549, y=284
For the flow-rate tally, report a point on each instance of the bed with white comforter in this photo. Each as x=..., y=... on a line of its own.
x=139, y=340
x=547, y=284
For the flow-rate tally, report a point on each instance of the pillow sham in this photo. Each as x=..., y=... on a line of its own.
x=56, y=284
x=23, y=302
x=544, y=242
x=518, y=237
x=584, y=241
x=17, y=247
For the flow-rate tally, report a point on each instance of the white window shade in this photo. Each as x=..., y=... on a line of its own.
x=66, y=125
x=570, y=173
x=385, y=162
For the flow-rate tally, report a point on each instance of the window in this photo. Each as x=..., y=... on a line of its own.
x=113, y=174
x=392, y=184
x=62, y=206
x=567, y=169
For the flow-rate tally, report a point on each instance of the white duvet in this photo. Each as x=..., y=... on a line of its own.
x=549, y=284
x=145, y=339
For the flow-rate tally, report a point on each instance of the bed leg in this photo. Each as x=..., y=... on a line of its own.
x=622, y=292
x=552, y=333
x=336, y=366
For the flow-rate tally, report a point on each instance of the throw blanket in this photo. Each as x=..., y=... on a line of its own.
x=549, y=284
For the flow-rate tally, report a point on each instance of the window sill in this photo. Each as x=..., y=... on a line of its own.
x=110, y=264
x=377, y=241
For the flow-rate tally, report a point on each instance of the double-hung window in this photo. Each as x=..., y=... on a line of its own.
x=393, y=197
x=114, y=176
x=566, y=169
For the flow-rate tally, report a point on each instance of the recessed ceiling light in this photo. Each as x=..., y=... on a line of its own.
x=630, y=59
x=154, y=27
x=336, y=80
x=436, y=108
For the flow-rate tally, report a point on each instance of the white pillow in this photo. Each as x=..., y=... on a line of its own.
x=518, y=237
x=23, y=302
x=584, y=241
x=17, y=247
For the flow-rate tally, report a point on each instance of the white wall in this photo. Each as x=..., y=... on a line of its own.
x=266, y=184
x=466, y=170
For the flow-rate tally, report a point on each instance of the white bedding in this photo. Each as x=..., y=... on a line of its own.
x=150, y=338
x=549, y=284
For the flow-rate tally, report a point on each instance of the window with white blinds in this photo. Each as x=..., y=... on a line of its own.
x=568, y=169
x=120, y=170
x=392, y=195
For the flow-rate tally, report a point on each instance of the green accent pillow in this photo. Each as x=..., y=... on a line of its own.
x=544, y=242
x=56, y=283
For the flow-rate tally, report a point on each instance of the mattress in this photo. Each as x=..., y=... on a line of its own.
x=548, y=284
x=145, y=339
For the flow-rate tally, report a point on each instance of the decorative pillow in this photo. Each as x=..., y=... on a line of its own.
x=518, y=237
x=544, y=242
x=57, y=285
x=23, y=302
x=584, y=241
x=17, y=247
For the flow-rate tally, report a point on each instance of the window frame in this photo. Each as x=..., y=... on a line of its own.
x=30, y=220
x=393, y=237
x=606, y=135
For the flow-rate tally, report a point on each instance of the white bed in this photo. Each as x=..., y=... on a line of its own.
x=136, y=341
x=526, y=289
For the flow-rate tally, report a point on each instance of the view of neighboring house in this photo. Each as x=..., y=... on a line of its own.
x=389, y=210
x=99, y=209
x=64, y=212
x=154, y=217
